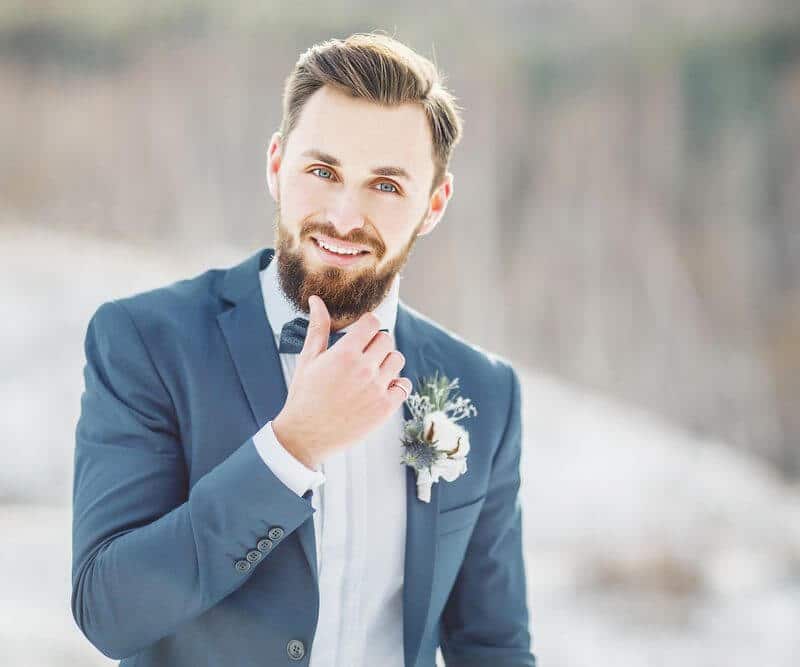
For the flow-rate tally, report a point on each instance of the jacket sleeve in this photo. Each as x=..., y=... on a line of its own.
x=147, y=553
x=485, y=620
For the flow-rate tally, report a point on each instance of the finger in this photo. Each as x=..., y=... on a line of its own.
x=377, y=349
x=360, y=333
x=391, y=366
x=319, y=327
x=400, y=388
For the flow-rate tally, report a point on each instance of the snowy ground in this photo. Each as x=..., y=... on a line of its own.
x=648, y=547
x=644, y=546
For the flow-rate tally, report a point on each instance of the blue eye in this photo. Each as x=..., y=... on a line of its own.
x=391, y=184
x=321, y=169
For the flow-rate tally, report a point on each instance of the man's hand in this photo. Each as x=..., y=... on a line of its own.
x=337, y=396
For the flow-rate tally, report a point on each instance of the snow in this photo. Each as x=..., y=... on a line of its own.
x=644, y=545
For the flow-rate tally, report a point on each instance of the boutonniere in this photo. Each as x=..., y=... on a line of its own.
x=433, y=442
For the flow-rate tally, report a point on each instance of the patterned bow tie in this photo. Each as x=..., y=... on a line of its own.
x=293, y=336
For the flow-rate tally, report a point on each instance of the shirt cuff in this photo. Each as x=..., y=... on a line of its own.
x=292, y=472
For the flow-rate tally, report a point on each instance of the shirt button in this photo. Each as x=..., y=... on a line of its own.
x=264, y=545
x=254, y=555
x=275, y=533
x=242, y=565
x=295, y=649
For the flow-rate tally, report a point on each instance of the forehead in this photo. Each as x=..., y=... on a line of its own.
x=362, y=134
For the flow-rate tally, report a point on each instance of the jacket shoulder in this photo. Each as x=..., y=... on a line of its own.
x=176, y=306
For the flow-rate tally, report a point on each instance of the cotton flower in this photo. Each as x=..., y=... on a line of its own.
x=436, y=446
x=449, y=438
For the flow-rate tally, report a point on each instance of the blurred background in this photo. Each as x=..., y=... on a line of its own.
x=626, y=214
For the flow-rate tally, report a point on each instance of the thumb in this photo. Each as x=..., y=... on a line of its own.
x=319, y=328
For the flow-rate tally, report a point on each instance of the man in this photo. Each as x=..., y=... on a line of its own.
x=239, y=497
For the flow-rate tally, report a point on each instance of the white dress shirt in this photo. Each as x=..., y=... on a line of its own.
x=360, y=522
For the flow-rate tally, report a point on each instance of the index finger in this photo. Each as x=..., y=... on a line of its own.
x=358, y=336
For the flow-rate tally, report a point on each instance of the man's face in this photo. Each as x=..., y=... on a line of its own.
x=326, y=180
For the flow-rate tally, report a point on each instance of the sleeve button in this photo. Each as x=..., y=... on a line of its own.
x=254, y=555
x=264, y=545
x=275, y=533
x=242, y=565
x=296, y=649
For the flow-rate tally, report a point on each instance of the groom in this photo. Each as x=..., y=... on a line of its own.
x=239, y=497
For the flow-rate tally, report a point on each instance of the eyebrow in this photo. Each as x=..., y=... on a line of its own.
x=378, y=171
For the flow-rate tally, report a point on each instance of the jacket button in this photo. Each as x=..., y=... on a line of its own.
x=242, y=565
x=275, y=533
x=264, y=545
x=254, y=555
x=295, y=649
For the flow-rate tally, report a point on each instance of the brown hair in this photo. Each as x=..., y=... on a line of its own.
x=381, y=69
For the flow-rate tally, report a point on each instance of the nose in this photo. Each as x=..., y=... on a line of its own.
x=345, y=213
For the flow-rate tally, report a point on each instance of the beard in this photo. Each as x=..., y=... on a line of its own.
x=347, y=293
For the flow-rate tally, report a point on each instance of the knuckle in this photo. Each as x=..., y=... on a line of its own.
x=363, y=372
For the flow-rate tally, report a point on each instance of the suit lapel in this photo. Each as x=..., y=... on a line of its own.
x=255, y=355
x=420, y=549
x=248, y=335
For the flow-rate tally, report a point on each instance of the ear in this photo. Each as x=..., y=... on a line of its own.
x=274, y=156
x=441, y=195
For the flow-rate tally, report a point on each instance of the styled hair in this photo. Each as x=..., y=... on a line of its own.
x=383, y=70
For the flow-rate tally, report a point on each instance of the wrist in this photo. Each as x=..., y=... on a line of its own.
x=286, y=437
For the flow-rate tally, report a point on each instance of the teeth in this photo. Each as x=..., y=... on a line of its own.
x=339, y=251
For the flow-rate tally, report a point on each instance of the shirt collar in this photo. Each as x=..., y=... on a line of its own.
x=280, y=310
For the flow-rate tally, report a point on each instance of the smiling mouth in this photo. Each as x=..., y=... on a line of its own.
x=331, y=256
x=338, y=248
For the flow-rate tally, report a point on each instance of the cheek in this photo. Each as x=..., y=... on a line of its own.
x=396, y=223
x=300, y=198
x=389, y=219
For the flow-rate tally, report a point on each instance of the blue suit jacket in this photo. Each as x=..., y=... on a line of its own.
x=170, y=494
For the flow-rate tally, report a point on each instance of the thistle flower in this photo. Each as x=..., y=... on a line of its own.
x=434, y=445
